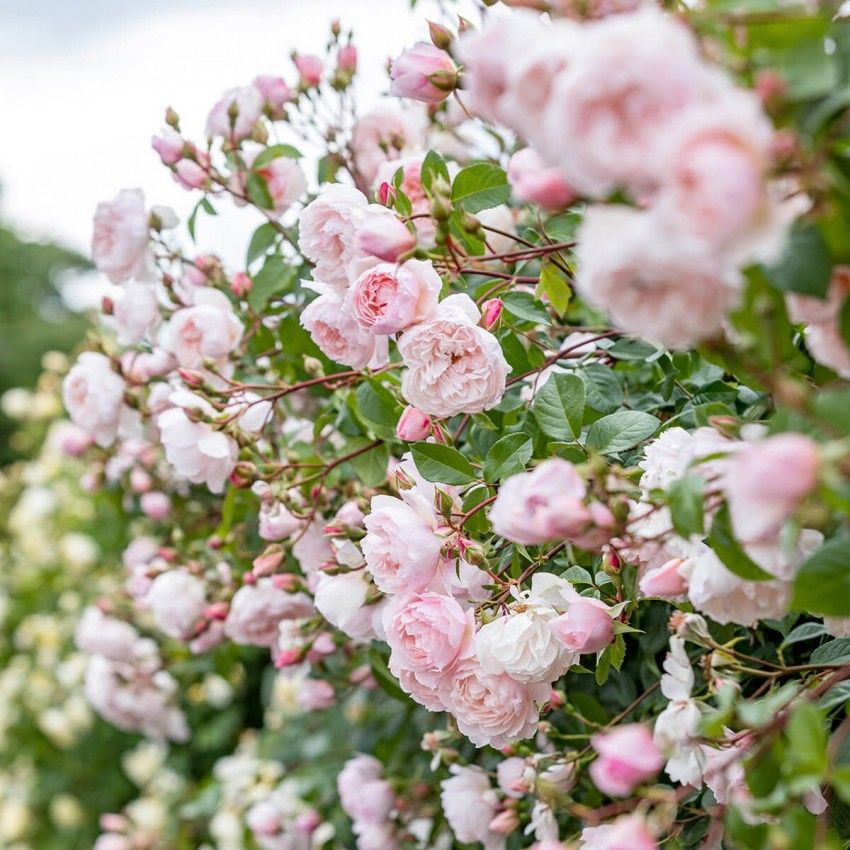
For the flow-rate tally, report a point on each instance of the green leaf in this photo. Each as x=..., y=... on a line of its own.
x=371, y=466
x=556, y=286
x=386, y=681
x=620, y=431
x=263, y=239
x=558, y=407
x=822, y=584
x=844, y=322
x=377, y=403
x=687, y=505
x=480, y=187
x=258, y=191
x=836, y=695
x=275, y=152
x=627, y=348
x=433, y=166
x=442, y=464
x=832, y=652
x=730, y=551
x=604, y=393
x=806, y=732
x=805, y=265
x=508, y=456
x=274, y=277
x=805, y=631
x=524, y=306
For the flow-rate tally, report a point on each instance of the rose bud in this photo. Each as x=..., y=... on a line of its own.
x=491, y=311
x=586, y=627
x=169, y=145
x=310, y=69
x=384, y=236
x=664, y=581
x=414, y=425
x=241, y=284
x=628, y=755
x=425, y=73
x=347, y=59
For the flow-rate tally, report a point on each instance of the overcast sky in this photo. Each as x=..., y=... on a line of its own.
x=85, y=82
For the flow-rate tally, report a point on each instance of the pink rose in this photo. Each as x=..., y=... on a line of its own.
x=155, y=505
x=314, y=694
x=585, y=627
x=413, y=425
x=94, y=397
x=389, y=298
x=310, y=69
x=628, y=832
x=491, y=709
x=256, y=611
x=607, y=115
x=98, y=634
x=401, y=547
x=285, y=181
x=363, y=794
x=209, y=328
x=628, y=756
x=136, y=312
x=274, y=91
x=652, y=285
x=327, y=234
x=169, y=145
x=246, y=104
x=423, y=72
x=177, y=600
x=533, y=181
x=452, y=365
x=427, y=633
x=664, y=581
x=766, y=481
x=339, y=336
x=276, y=522
x=381, y=234
x=121, y=234
x=70, y=439
x=470, y=804
x=510, y=773
x=385, y=133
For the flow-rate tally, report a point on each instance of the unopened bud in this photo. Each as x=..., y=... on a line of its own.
x=491, y=312
x=107, y=305
x=440, y=36
x=172, y=119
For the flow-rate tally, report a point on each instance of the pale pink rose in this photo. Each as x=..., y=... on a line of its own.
x=714, y=189
x=121, y=234
x=314, y=694
x=209, y=328
x=286, y=182
x=628, y=832
x=256, y=611
x=651, y=285
x=136, y=312
x=389, y=298
x=411, y=185
x=274, y=91
x=766, y=481
x=664, y=581
x=335, y=331
x=363, y=794
x=586, y=626
x=452, y=365
x=544, y=504
x=169, y=145
x=155, y=505
x=383, y=235
x=427, y=633
x=197, y=452
x=327, y=234
x=310, y=69
x=342, y=600
x=177, y=600
x=247, y=104
x=523, y=645
x=470, y=804
x=385, y=133
x=276, y=522
x=534, y=181
x=99, y=634
x=491, y=709
x=70, y=439
x=423, y=72
x=628, y=756
x=194, y=173
x=94, y=397
x=509, y=775
x=401, y=546
x=142, y=366
x=489, y=54
x=376, y=836
x=413, y=425
x=627, y=78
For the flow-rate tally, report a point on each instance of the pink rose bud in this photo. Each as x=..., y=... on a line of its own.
x=414, y=425
x=310, y=69
x=286, y=581
x=627, y=831
x=586, y=627
x=274, y=91
x=287, y=657
x=347, y=59
x=425, y=73
x=217, y=611
x=385, y=194
x=113, y=822
x=241, y=284
x=384, y=236
x=665, y=581
x=192, y=175
x=491, y=311
x=107, y=306
x=628, y=755
x=140, y=481
x=73, y=441
x=155, y=505
x=267, y=563
x=169, y=145
x=308, y=822
x=193, y=379
x=505, y=822
x=534, y=181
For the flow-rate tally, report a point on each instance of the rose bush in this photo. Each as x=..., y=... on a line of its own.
x=520, y=470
